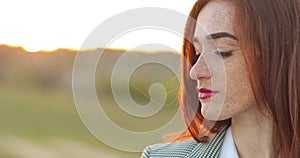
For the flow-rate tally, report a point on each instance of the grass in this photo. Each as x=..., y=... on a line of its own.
x=43, y=115
x=4, y=154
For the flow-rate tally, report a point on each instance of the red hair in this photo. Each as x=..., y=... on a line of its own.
x=269, y=37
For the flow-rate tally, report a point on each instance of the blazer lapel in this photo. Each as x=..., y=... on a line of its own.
x=210, y=149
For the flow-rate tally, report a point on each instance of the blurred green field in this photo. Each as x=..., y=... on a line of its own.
x=38, y=115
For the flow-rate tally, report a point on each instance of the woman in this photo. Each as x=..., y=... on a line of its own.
x=250, y=106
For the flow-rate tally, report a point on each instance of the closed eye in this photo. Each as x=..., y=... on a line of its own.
x=224, y=54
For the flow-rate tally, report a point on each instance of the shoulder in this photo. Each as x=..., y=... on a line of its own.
x=187, y=148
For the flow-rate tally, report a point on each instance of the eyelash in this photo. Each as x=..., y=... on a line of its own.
x=224, y=54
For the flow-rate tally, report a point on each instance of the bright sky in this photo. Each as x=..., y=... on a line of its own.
x=51, y=24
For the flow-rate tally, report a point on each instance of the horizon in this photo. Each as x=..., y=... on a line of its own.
x=93, y=49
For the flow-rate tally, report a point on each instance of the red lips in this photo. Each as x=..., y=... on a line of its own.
x=205, y=93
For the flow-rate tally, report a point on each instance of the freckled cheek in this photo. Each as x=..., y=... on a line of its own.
x=238, y=88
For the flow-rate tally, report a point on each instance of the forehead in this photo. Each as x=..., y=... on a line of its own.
x=216, y=16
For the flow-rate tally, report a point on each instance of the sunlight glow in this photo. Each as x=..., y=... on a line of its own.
x=51, y=24
x=149, y=39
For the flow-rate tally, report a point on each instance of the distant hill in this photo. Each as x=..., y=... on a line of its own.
x=49, y=70
x=42, y=69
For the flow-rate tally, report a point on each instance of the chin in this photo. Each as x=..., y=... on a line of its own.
x=214, y=115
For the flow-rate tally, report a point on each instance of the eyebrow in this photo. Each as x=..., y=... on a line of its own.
x=221, y=35
x=216, y=36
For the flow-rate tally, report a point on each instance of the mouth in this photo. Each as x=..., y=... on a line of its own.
x=204, y=93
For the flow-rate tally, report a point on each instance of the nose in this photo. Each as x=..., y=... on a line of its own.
x=199, y=70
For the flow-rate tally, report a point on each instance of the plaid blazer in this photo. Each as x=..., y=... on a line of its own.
x=188, y=148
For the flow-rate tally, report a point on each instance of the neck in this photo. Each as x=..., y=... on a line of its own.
x=252, y=134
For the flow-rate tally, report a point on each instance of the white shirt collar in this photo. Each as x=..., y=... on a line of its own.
x=228, y=149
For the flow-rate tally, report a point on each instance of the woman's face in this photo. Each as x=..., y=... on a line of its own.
x=223, y=84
